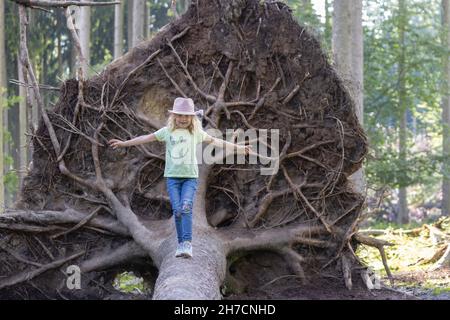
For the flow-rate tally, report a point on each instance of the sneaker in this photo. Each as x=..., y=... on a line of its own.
x=187, y=252
x=180, y=250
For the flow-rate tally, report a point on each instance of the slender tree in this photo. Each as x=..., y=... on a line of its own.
x=347, y=46
x=146, y=18
x=23, y=154
x=129, y=24
x=357, y=72
x=327, y=33
x=85, y=29
x=403, y=214
x=187, y=3
x=342, y=38
x=138, y=22
x=357, y=59
x=444, y=261
x=118, y=30
x=2, y=97
x=446, y=108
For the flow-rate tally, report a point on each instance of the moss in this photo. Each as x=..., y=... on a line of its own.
x=439, y=291
x=410, y=255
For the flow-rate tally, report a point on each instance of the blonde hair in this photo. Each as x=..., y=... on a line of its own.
x=194, y=126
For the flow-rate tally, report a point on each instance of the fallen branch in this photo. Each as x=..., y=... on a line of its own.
x=79, y=224
x=379, y=244
x=28, y=275
x=62, y=4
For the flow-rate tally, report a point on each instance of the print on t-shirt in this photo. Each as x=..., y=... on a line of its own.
x=179, y=148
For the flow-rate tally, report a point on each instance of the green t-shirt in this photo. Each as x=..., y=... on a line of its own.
x=181, y=151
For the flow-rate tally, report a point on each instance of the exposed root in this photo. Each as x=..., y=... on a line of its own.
x=28, y=275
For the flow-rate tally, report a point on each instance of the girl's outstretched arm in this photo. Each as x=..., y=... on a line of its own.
x=223, y=143
x=115, y=143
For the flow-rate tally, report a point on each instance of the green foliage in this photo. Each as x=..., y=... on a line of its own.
x=307, y=16
x=102, y=36
x=388, y=170
x=10, y=178
x=422, y=54
x=305, y=13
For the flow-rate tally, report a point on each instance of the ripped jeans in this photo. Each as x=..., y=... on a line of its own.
x=182, y=194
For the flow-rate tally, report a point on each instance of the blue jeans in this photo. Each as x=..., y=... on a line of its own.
x=182, y=194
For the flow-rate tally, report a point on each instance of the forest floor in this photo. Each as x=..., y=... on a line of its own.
x=412, y=257
x=416, y=285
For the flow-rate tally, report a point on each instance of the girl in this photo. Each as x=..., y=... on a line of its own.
x=181, y=135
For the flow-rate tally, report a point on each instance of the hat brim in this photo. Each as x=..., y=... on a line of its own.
x=183, y=113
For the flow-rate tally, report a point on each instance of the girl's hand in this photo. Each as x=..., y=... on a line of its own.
x=115, y=143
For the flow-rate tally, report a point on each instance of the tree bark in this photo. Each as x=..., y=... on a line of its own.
x=403, y=213
x=3, y=98
x=146, y=19
x=358, y=59
x=446, y=109
x=118, y=30
x=198, y=278
x=358, y=80
x=3, y=86
x=85, y=38
x=130, y=18
x=347, y=44
x=328, y=22
x=342, y=38
x=187, y=3
x=23, y=152
x=138, y=22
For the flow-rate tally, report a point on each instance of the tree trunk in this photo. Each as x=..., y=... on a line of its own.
x=23, y=150
x=328, y=23
x=3, y=96
x=358, y=80
x=60, y=23
x=118, y=30
x=198, y=278
x=85, y=36
x=187, y=3
x=358, y=59
x=348, y=55
x=138, y=22
x=446, y=109
x=146, y=18
x=403, y=213
x=342, y=38
x=3, y=99
x=130, y=18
